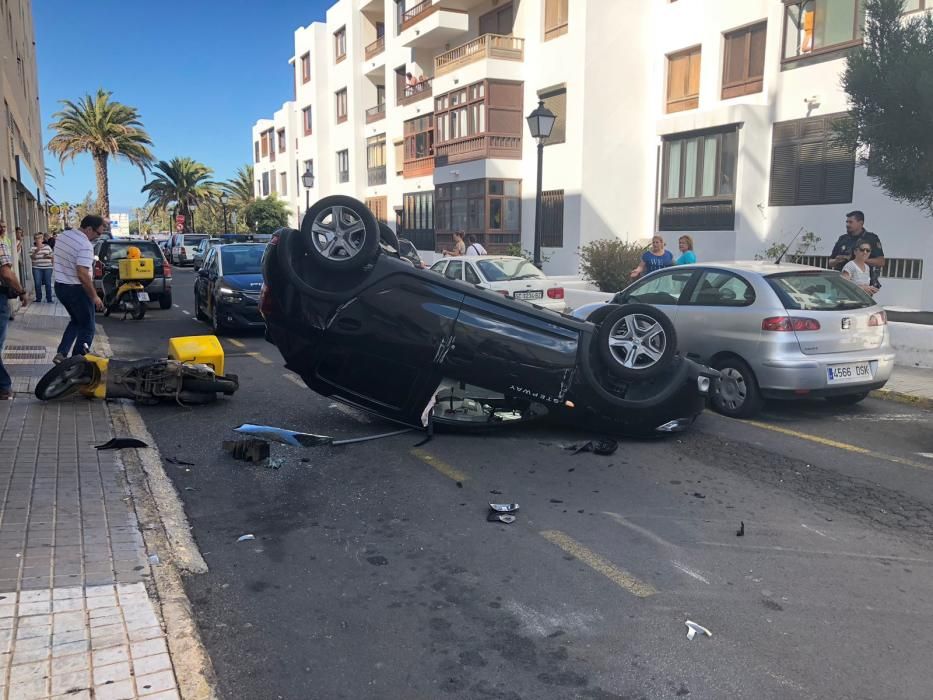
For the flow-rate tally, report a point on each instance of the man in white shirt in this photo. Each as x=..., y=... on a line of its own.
x=474, y=247
x=74, y=285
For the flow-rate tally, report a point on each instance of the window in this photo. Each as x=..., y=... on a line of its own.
x=306, y=68
x=343, y=166
x=460, y=113
x=461, y=206
x=717, y=288
x=265, y=184
x=743, y=66
x=505, y=205
x=808, y=165
x=270, y=136
x=379, y=206
x=917, y=5
x=376, y=160
x=417, y=219
x=663, y=289
x=399, y=155
x=454, y=270
x=272, y=182
x=470, y=274
x=816, y=26
x=499, y=21
x=264, y=141
x=283, y=184
x=419, y=138
x=306, y=120
x=341, y=101
x=256, y=151
x=698, y=173
x=683, y=80
x=340, y=44
x=552, y=218
x=555, y=18
x=281, y=139
x=555, y=99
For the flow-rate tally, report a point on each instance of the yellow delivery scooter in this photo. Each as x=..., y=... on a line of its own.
x=128, y=293
x=191, y=374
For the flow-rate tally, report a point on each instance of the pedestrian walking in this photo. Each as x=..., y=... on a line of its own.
x=844, y=250
x=474, y=247
x=657, y=258
x=10, y=288
x=41, y=255
x=687, y=256
x=74, y=286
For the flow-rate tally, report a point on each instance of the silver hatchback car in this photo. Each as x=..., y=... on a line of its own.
x=773, y=331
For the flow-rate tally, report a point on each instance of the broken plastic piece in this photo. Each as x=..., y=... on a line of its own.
x=494, y=517
x=504, y=507
x=245, y=538
x=367, y=438
x=275, y=462
x=693, y=628
x=597, y=447
x=286, y=437
x=179, y=462
x=741, y=531
x=153, y=559
x=120, y=443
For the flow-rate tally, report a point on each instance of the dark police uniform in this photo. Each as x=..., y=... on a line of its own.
x=846, y=245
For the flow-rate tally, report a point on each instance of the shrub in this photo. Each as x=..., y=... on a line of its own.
x=607, y=263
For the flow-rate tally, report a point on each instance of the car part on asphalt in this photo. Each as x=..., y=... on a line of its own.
x=179, y=462
x=286, y=437
x=121, y=444
x=693, y=628
x=741, y=531
x=245, y=538
x=494, y=517
x=504, y=507
x=368, y=438
x=597, y=447
x=251, y=450
x=275, y=462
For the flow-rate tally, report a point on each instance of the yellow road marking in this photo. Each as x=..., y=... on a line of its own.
x=618, y=576
x=236, y=343
x=838, y=445
x=260, y=357
x=294, y=380
x=440, y=465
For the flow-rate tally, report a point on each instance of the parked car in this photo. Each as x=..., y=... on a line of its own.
x=205, y=245
x=510, y=276
x=778, y=331
x=226, y=289
x=182, y=246
x=360, y=324
x=109, y=251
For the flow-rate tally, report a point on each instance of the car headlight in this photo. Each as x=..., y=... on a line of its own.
x=229, y=294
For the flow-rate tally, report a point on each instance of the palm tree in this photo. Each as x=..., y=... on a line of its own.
x=181, y=184
x=240, y=187
x=103, y=128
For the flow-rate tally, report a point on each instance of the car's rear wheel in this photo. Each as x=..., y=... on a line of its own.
x=636, y=341
x=165, y=300
x=735, y=392
x=339, y=233
x=848, y=399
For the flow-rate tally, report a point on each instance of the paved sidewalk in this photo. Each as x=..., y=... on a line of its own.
x=909, y=385
x=76, y=618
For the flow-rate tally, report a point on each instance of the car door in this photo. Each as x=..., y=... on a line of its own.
x=662, y=289
x=212, y=267
x=716, y=314
x=454, y=270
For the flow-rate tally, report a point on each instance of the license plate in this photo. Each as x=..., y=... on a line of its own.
x=847, y=374
x=528, y=295
x=143, y=296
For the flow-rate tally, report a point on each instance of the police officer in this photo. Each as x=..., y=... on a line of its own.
x=844, y=249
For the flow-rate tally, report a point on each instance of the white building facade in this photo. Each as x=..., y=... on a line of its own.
x=711, y=118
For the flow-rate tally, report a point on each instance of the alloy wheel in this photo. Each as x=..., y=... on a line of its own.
x=637, y=341
x=338, y=233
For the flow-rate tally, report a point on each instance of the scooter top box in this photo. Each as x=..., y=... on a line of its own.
x=202, y=349
x=137, y=269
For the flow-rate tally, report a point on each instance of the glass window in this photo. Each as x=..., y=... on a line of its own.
x=673, y=169
x=495, y=214
x=818, y=291
x=439, y=266
x=700, y=166
x=343, y=166
x=721, y=289
x=471, y=275
x=454, y=271
x=662, y=289
x=306, y=119
x=496, y=187
x=813, y=25
x=504, y=269
x=708, y=183
x=556, y=101
x=690, y=167
x=341, y=104
x=242, y=260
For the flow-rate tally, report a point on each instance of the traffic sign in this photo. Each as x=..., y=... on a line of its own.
x=180, y=220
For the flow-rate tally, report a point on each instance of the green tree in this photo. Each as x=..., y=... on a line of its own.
x=104, y=129
x=239, y=190
x=266, y=215
x=179, y=185
x=608, y=262
x=889, y=81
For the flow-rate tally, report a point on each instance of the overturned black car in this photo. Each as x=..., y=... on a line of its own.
x=360, y=324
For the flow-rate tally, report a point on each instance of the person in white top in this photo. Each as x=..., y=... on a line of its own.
x=858, y=270
x=474, y=247
x=74, y=285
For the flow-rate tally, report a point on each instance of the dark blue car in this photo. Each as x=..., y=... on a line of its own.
x=226, y=290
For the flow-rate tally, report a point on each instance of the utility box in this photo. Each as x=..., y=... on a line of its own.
x=137, y=269
x=199, y=349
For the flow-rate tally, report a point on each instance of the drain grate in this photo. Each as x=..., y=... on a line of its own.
x=25, y=354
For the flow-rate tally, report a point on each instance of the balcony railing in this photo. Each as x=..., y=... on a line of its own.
x=375, y=48
x=374, y=114
x=413, y=93
x=417, y=167
x=509, y=48
x=376, y=176
x=477, y=148
x=417, y=13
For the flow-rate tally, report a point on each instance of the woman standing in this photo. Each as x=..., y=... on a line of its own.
x=858, y=270
x=41, y=255
x=655, y=259
x=459, y=245
x=687, y=256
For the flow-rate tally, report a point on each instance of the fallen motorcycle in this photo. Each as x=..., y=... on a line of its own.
x=191, y=374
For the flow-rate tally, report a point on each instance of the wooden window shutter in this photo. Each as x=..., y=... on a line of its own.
x=683, y=80
x=783, y=179
x=840, y=173
x=810, y=173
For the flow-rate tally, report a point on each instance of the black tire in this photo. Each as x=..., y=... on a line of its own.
x=198, y=314
x=388, y=237
x=347, y=250
x=219, y=385
x=848, y=399
x=196, y=397
x=139, y=308
x=735, y=393
x=65, y=379
x=216, y=324
x=636, y=341
x=165, y=301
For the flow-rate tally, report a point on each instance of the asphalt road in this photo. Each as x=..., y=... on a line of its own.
x=374, y=573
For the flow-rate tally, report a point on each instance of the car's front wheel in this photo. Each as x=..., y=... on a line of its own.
x=165, y=300
x=636, y=341
x=735, y=392
x=339, y=233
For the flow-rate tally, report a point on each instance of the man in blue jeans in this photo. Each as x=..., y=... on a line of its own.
x=74, y=285
x=8, y=281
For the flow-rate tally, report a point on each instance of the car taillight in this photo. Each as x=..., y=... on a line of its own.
x=785, y=324
x=878, y=319
x=98, y=269
x=503, y=292
x=166, y=269
x=266, y=302
x=555, y=293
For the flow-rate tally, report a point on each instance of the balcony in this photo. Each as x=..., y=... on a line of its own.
x=507, y=48
x=374, y=114
x=375, y=48
x=428, y=25
x=376, y=176
x=413, y=93
x=478, y=147
x=418, y=167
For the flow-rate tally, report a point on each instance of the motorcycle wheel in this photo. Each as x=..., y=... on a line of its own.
x=196, y=397
x=138, y=308
x=210, y=386
x=64, y=379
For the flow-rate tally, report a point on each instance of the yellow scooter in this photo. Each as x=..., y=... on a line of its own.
x=128, y=293
x=193, y=373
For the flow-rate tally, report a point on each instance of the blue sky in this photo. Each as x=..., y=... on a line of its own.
x=200, y=72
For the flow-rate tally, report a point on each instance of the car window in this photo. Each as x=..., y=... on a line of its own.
x=819, y=291
x=241, y=260
x=471, y=275
x=439, y=266
x=192, y=239
x=717, y=288
x=504, y=269
x=662, y=289
x=117, y=250
x=454, y=270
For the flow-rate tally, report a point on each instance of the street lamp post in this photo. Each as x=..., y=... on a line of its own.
x=308, y=181
x=223, y=205
x=540, y=123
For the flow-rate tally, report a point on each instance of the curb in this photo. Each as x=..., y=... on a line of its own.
x=900, y=397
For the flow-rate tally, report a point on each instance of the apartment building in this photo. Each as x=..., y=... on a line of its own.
x=22, y=170
x=707, y=117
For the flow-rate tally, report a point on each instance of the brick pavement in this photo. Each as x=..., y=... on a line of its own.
x=76, y=617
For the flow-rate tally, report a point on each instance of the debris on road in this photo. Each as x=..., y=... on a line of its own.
x=494, y=517
x=367, y=438
x=697, y=494
x=597, y=447
x=247, y=450
x=118, y=443
x=245, y=538
x=504, y=507
x=275, y=462
x=153, y=559
x=179, y=462
x=693, y=628
x=286, y=437
x=741, y=531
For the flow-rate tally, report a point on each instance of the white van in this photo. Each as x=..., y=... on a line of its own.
x=181, y=247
